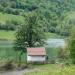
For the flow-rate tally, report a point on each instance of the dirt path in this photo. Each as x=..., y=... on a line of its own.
x=18, y=72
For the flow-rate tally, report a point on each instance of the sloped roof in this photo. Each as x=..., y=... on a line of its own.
x=36, y=51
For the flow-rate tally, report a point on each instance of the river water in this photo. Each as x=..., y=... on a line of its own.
x=55, y=43
x=6, y=43
x=49, y=43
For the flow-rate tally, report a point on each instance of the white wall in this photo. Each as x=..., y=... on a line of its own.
x=35, y=58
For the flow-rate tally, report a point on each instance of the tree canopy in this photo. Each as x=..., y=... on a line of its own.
x=31, y=34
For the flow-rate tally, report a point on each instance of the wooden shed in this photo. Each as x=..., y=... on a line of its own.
x=36, y=55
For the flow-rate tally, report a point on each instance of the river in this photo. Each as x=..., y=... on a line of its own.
x=55, y=43
x=49, y=43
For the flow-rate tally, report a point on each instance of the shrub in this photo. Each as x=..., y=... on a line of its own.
x=7, y=27
x=7, y=66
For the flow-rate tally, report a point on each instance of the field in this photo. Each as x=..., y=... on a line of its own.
x=54, y=69
x=7, y=35
x=9, y=17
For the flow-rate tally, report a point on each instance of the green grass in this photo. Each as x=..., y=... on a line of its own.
x=7, y=35
x=8, y=53
x=52, y=35
x=9, y=17
x=10, y=35
x=49, y=69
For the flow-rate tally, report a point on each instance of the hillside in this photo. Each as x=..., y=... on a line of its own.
x=52, y=12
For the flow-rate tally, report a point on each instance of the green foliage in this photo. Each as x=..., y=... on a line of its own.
x=9, y=54
x=8, y=26
x=72, y=44
x=62, y=54
x=53, y=70
x=9, y=17
x=53, y=12
x=31, y=34
x=5, y=35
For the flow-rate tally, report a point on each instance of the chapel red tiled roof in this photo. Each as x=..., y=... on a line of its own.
x=36, y=51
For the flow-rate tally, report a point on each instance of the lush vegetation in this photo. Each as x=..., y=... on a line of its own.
x=53, y=70
x=5, y=35
x=4, y=17
x=55, y=14
x=56, y=18
x=72, y=44
x=30, y=34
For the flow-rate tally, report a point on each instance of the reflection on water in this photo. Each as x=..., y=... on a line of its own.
x=55, y=43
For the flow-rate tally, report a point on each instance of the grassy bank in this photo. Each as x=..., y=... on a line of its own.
x=52, y=35
x=49, y=69
x=9, y=54
x=7, y=35
x=10, y=35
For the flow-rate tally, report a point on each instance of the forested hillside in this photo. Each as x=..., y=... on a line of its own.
x=57, y=16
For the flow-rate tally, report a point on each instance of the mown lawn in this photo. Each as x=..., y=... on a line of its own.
x=53, y=70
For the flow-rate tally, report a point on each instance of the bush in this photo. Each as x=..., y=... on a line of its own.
x=62, y=54
x=7, y=27
x=11, y=11
x=1, y=8
x=71, y=45
x=52, y=29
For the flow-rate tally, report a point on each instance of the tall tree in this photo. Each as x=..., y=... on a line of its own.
x=30, y=34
